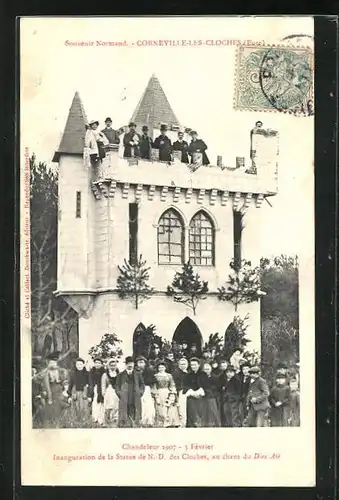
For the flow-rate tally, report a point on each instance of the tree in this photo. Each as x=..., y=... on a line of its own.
x=236, y=336
x=53, y=321
x=279, y=345
x=144, y=341
x=133, y=281
x=279, y=278
x=243, y=284
x=215, y=344
x=279, y=313
x=188, y=288
x=107, y=347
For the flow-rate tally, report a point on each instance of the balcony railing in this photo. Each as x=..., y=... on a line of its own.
x=175, y=173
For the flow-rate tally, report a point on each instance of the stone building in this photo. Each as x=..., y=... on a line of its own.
x=123, y=206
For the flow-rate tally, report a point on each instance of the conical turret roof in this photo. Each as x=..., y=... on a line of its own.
x=153, y=108
x=73, y=138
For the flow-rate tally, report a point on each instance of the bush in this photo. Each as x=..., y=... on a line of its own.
x=107, y=347
x=280, y=346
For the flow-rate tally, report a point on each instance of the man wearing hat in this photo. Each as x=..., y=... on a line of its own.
x=164, y=144
x=146, y=144
x=129, y=387
x=181, y=145
x=131, y=142
x=111, y=134
x=198, y=146
x=257, y=400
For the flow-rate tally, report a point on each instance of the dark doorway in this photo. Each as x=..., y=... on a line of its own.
x=137, y=340
x=187, y=331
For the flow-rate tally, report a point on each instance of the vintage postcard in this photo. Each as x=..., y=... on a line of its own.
x=167, y=251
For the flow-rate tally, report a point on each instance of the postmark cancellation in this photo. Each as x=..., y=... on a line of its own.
x=274, y=78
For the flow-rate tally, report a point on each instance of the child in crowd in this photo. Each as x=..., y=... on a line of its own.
x=172, y=418
x=279, y=399
x=38, y=394
x=294, y=404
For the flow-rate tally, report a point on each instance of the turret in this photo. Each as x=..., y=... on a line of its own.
x=75, y=255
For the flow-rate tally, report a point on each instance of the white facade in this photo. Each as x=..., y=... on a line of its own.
x=90, y=247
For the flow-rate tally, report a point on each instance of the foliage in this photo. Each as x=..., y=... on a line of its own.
x=133, y=281
x=236, y=336
x=279, y=278
x=54, y=323
x=280, y=345
x=215, y=344
x=188, y=288
x=243, y=284
x=252, y=357
x=107, y=347
x=144, y=340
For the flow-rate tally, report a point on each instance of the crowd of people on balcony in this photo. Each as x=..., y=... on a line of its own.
x=141, y=145
x=184, y=390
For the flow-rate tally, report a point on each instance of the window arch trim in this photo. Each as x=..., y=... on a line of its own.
x=171, y=238
x=201, y=244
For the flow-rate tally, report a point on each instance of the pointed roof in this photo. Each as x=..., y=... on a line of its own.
x=153, y=108
x=72, y=141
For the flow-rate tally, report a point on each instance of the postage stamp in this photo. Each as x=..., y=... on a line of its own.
x=274, y=78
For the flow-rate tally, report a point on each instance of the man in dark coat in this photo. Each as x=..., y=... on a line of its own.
x=198, y=146
x=111, y=134
x=131, y=142
x=230, y=398
x=181, y=145
x=129, y=387
x=257, y=400
x=194, y=387
x=164, y=144
x=146, y=144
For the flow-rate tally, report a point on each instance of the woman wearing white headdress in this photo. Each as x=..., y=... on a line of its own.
x=111, y=400
x=147, y=401
x=94, y=142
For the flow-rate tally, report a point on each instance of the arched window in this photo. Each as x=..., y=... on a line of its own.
x=170, y=238
x=201, y=242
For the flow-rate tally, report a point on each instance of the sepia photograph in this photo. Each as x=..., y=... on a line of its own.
x=169, y=207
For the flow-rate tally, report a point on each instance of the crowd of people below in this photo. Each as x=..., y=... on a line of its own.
x=164, y=392
x=140, y=145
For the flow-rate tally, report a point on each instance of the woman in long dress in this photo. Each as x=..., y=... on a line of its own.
x=95, y=142
x=194, y=388
x=163, y=385
x=54, y=379
x=96, y=373
x=210, y=403
x=111, y=400
x=147, y=401
x=179, y=375
x=78, y=394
